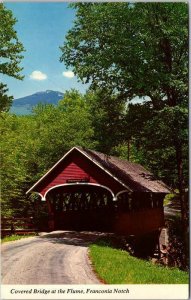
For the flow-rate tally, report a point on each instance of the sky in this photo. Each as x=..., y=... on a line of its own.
x=41, y=27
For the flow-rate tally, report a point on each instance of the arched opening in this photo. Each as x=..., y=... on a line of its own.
x=124, y=201
x=81, y=207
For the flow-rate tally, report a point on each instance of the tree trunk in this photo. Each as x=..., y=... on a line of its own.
x=183, y=201
x=128, y=149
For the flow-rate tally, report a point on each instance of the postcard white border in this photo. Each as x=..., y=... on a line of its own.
x=106, y=291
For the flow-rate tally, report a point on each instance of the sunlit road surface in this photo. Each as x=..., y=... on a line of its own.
x=53, y=258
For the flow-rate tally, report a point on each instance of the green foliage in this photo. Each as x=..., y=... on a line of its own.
x=107, y=115
x=135, y=50
x=10, y=53
x=5, y=100
x=61, y=128
x=30, y=145
x=116, y=266
x=14, y=155
x=178, y=249
x=16, y=237
x=10, y=47
x=156, y=134
x=141, y=51
x=138, y=49
x=169, y=198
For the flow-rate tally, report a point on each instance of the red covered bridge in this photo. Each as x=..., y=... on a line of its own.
x=88, y=190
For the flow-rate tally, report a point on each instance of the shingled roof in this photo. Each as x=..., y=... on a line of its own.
x=131, y=175
x=135, y=176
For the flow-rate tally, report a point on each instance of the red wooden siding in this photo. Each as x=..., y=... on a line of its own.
x=137, y=214
x=139, y=222
x=123, y=223
x=76, y=166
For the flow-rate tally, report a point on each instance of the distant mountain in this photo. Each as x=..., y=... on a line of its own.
x=23, y=106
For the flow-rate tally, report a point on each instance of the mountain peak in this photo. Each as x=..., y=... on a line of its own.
x=49, y=91
x=24, y=105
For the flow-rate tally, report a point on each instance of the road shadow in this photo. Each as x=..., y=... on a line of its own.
x=76, y=238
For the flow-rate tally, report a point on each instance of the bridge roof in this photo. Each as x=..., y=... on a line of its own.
x=131, y=176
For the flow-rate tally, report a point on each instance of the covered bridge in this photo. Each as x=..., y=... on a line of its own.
x=88, y=190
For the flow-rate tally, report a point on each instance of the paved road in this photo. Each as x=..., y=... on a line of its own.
x=55, y=258
x=171, y=212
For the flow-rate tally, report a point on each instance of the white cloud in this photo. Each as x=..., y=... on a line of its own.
x=38, y=75
x=68, y=74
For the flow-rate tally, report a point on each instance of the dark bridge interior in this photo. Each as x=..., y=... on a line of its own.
x=87, y=208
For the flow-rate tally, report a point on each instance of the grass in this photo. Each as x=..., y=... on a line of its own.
x=169, y=198
x=116, y=266
x=16, y=237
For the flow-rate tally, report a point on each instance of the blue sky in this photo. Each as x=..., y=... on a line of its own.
x=42, y=27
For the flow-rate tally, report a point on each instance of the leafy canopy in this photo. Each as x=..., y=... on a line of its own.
x=10, y=47
x=30, y=145
x=10, y=54
x=138, y=49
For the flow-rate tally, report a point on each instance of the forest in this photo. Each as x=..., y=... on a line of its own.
x=32, y=144
x=136, y=106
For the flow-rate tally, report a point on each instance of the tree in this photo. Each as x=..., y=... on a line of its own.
x=5, y=100
x=15, y=149
x=61, y=128
x=138, y=50
x=155, y=139
x=107, y=114
x=141, y=51
x=50, y=132
x=10, y=53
